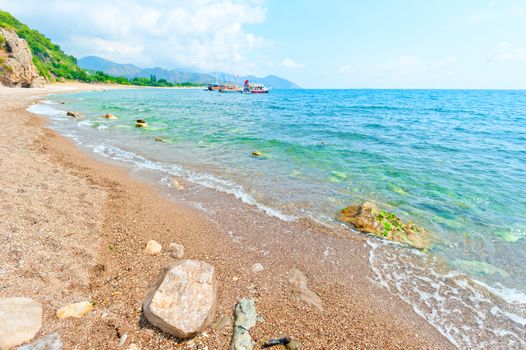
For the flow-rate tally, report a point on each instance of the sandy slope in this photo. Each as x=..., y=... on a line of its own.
x=74, y=229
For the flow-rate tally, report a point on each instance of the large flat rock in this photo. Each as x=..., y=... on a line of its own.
x=182, y=301
x=20, y=320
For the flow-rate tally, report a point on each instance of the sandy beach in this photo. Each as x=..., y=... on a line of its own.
x=74, y=228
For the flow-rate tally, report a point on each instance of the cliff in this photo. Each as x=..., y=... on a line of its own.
x=16, y=62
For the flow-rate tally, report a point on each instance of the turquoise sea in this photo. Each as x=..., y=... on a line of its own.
x=453, y=161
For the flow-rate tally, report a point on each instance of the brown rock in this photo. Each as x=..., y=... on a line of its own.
x=108, y=116
x=76, y=310
x=367, y=217
x=73, y=114
x=141, y=123
x=182, y=301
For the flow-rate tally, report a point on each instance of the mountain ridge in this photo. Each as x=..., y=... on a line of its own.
x=130, y=71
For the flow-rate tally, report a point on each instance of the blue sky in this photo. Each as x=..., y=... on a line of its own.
x=317, y=44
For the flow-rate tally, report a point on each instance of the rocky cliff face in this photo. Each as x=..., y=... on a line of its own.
x=16, y=62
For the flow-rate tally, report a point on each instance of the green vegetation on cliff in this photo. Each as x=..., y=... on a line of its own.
x=53, y=64
x=50, y=60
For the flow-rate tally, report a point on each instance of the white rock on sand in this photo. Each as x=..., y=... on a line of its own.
x=298, y=285
x=177, y=250
x=182, y=301
x=257, y=267
x=75, y=310
x=20, y=320
x=49, y=342
x=153, y=247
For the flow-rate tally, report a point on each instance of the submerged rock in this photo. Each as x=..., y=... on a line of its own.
x=367, y=217
x=108, y=116
x=182, y=301
x=245, y=318
x=174, y=183
x=49, y=342
x=298, y=285
x=140, y=123
x=73, y=114
x=76, y=310
x=20, y=320
x=153, y=247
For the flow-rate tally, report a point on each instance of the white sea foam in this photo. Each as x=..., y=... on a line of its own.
x=471, y=314
x=48, y=110
x=202, y=179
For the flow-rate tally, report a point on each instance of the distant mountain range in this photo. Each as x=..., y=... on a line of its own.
x=130, y=71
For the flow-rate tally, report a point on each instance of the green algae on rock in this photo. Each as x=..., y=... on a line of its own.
x=367, y=217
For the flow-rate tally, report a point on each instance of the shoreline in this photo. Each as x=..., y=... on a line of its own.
x=118, y=214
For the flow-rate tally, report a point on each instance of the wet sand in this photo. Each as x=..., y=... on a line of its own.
x=74, y=228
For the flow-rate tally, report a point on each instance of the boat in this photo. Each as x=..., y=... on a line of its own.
x=258, y=89
x=214, y=87
x=230, y=88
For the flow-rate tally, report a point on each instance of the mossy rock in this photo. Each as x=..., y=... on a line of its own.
x=367, y=217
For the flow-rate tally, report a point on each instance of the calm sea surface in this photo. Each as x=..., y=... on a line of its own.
x=453, y=161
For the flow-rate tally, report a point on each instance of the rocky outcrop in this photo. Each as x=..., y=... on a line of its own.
x=182, y=301
x=16, y=62
x=20, y=320
x=367, y=217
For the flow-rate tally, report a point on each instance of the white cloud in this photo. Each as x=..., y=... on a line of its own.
x=518, y=10
x=446, y=61
x=345, y=69
x=476, y=17
x=204, y=34
x=401, y=63
x=410, y=65
x=505, y=51
x=289, y=63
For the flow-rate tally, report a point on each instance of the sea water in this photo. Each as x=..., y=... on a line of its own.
x=452, y=161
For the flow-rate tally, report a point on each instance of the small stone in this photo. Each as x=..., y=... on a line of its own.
x=294, y=345
x=153, y=248
x=20, y=320
x=76, y=310
x=257, y=267
x=298, y=285
x=182, y=301
x=122, y=339
x=177, y=250
x=49, y=342
x=257, y=154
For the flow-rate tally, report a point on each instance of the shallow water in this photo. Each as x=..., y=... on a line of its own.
x=454, y=161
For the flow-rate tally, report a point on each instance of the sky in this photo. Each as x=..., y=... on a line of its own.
x=315, y=43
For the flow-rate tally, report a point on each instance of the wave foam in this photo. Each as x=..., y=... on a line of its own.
x=469, y=313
